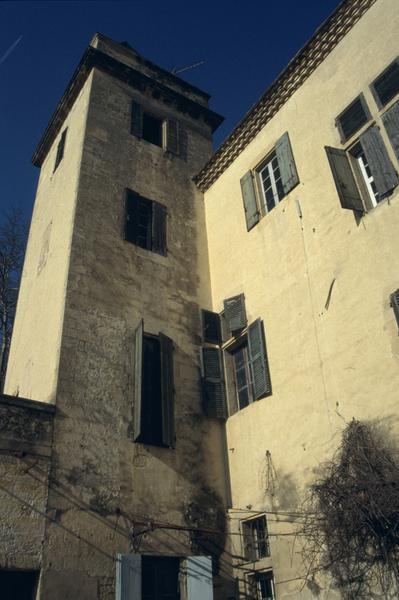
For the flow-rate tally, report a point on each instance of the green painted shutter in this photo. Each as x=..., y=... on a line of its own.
x=384, y=174
x=138, y=378
x=159, y=215
x=211, y=327
x=235, y=313
x=395, y=305
x=136, y=121
x=199, y=578
x=213, y=386
x=258, y=360
x=128, y=577
x=391, y=123
x=167, y=390
x=172, y=136
x=286, y=163
x=249, y=199
x=344, y=179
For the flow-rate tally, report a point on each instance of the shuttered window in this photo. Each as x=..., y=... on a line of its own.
x=391, y=123
x=261, y=384
x=166, y=133
x=145, y=223
x=353, y=118
x=395, y=305
x=235, y=313
x=128, y=577
x=60, y=149
x=386, y=86
x=344, y=179
x=213, y=384
x=211, y=327
x=381, y=167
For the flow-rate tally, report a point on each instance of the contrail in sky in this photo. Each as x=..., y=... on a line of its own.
x=11, y=48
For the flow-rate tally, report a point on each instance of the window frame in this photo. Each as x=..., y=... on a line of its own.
x=338, y=124
x=383, y=105
x=255, y=578
x=255, y=543
x=156, y=237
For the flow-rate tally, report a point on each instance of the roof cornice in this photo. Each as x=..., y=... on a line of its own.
x=304, y=63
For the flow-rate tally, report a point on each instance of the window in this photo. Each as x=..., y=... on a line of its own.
x=60, y=149
x=386, y=86
x=265, y=186
x=159, y=131
x=353, y=118
x=145, y=223
x=395, y=305
x=255, y=538
x=18, y=584
x=153, y=389
x=261, y=586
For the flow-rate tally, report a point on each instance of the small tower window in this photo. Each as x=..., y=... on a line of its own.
x=152, y=129
x=60, y=149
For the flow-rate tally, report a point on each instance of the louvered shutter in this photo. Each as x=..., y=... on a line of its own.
x=211, y=327
x=136, y=121
x=391, y=123
x=167, y=390
x=395, y=305
x=344, y=179
x=183, y=142
x=261, y=384
x=234, y=312
x=213, y=386
x=386, y=86
x=384, y=174
x=138, y=378
x=249, y=199
x=199, y=578
x=131, y=209
x=352, y=118
x=159, y=215
x=128, y=577
x=172, y=136
x=286, y=163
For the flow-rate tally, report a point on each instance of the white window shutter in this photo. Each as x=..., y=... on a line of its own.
x=199, y=578
x=128, y=577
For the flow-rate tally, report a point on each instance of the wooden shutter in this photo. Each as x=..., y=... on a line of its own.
x=199, y=578
x=138, y=379
x=159, y=215
x=384, y=174
x=344, y=179
x=387, y=84
x=211, y=327
x=131, y=209
x=183, y=142
x=261, y=384
x=286, y=163
x=172, y=136
x=234, y=312
x=395, y=305
x=249, y=199
x=213, y=386
x=352, y=118
x=391, y=123
x=136, y=121
x=167, y=390
x=128, y=577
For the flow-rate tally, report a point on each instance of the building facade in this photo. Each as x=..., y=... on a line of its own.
x=194, y=331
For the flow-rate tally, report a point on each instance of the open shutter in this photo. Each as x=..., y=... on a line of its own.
x=249, y=199
x=234, y=312
x=167, y=390
x=138, y=378
x=384, y=174
x=258, y=360
x=128, y=577
x=395, y=305
x=344, y=179
x=199, y=578
x=391, y=123
x=172, y=136
x=136, y=121
x=213, y=386
x=159, y=214
x=211, y=327
x=131, y=210
x=286, y=163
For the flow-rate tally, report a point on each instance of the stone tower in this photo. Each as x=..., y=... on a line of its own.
x=108, y=328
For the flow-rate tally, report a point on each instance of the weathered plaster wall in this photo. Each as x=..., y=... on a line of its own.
x=34, y=354
x=327, y=366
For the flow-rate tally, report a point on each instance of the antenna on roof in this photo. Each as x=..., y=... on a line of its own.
x=175, y=70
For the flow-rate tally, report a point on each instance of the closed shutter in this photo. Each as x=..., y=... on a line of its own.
x=211, y=327
x=391, y=123
x=384, y=174
x=234, y=312
x=172, y=136
x=213, y=386
x=395, y=305
x=136, y=121
x=183, y=142
x=344, y=179
x=159, y=215
x=199, y=578
x=167, y=390
x=249, y=199
x=131, y=211
x=261, y=383
x=128, y=577
x=138, y=378
x=286, y=163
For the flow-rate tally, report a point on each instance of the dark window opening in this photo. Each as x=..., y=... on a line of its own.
x=255, y=537
x=262, y=586
x=145, y=223
x=60, y=150
x=386, y=86
x=18, y=585
x=152, y=129
x=352, y=118
x=160, y=578
x=151, y=428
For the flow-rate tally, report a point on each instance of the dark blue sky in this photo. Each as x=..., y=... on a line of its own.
x=245, y=44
